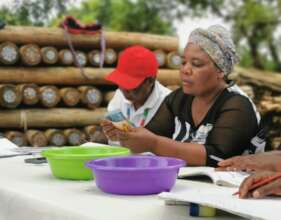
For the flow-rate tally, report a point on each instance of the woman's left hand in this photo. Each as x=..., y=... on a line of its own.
x=138, y=140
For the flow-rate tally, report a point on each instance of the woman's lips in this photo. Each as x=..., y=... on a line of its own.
x=187, y=82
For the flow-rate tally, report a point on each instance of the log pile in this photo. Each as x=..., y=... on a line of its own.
x=265, y=89
x=44, y=97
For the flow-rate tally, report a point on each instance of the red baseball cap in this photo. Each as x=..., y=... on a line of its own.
x=135, y=64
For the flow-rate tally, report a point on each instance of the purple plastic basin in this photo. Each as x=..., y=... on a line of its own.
x=135, y=175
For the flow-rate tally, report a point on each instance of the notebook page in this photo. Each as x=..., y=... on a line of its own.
x=222, y=198
x=223, y=178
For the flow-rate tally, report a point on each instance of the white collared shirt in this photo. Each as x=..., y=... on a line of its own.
x=157, y=96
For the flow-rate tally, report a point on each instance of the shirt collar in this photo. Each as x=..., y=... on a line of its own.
x=150, y=101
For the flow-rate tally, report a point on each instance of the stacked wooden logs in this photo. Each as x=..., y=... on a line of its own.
x=45, y=99
x=43, y=93
x=265, y=89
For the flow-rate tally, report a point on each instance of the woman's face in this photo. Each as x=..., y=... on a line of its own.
x=198, y=73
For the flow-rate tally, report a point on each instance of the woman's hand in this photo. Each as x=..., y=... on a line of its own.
x=109, y=130
x=138, y=140
x=270, y=161
x=271, y=188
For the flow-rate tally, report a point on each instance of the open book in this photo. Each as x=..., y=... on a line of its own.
x=222, y=198
x=222, y=178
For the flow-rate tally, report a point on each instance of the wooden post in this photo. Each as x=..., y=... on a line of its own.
x=16, y=137
x=36, y=138
x=29, y=93
x=49, y=96
x=49, y=55
x=9, y=53
x=110, y=56
x=65, y=57
x=70, y=96
x=10, y=96
x=74, y=136
x=161, y=57
x=30, y=54
x=55, y=137
x=45, y=36
x=72, y=76
x=94, y=57
x=174, y=60
x=90, y=96
x=94, y=133
x=50, y=118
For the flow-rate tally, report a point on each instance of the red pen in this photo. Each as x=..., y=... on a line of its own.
x=263, y=182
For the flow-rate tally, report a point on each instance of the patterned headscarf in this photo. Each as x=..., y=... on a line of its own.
x=217, y=43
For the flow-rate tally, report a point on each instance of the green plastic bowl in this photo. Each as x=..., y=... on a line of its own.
x=69, y=162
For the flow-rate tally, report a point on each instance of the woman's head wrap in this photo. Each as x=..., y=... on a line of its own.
x=217, y=43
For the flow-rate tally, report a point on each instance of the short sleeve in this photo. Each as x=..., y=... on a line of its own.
x=163, y=121
x=234, y=127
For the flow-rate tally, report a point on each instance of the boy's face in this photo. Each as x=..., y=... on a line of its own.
x=140, y=93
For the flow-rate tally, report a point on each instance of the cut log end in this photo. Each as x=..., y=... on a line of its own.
x=65, y=57
x=30, y=54
x=94, y=57
x=10, y=97
x=49, y=55
x=49, y=96
x=9, y=53
x=161, y=57
x=55, y=137
x=36, y=138
x=16, y=137
x=90, y=96
x=110, y=56
x=174, y=60
x=74, y=136
x=70, y=96
x=29, y=93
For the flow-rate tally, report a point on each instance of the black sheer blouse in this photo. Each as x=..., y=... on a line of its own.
x=231, y=126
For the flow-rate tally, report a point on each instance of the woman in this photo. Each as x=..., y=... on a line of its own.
x=207, y=118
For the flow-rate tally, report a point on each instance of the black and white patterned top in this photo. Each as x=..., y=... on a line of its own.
x=231, y=126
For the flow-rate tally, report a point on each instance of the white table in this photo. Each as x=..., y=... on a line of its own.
x=29, y=191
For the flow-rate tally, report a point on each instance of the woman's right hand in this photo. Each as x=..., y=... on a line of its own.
x=271, y=188
x=109, y=130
